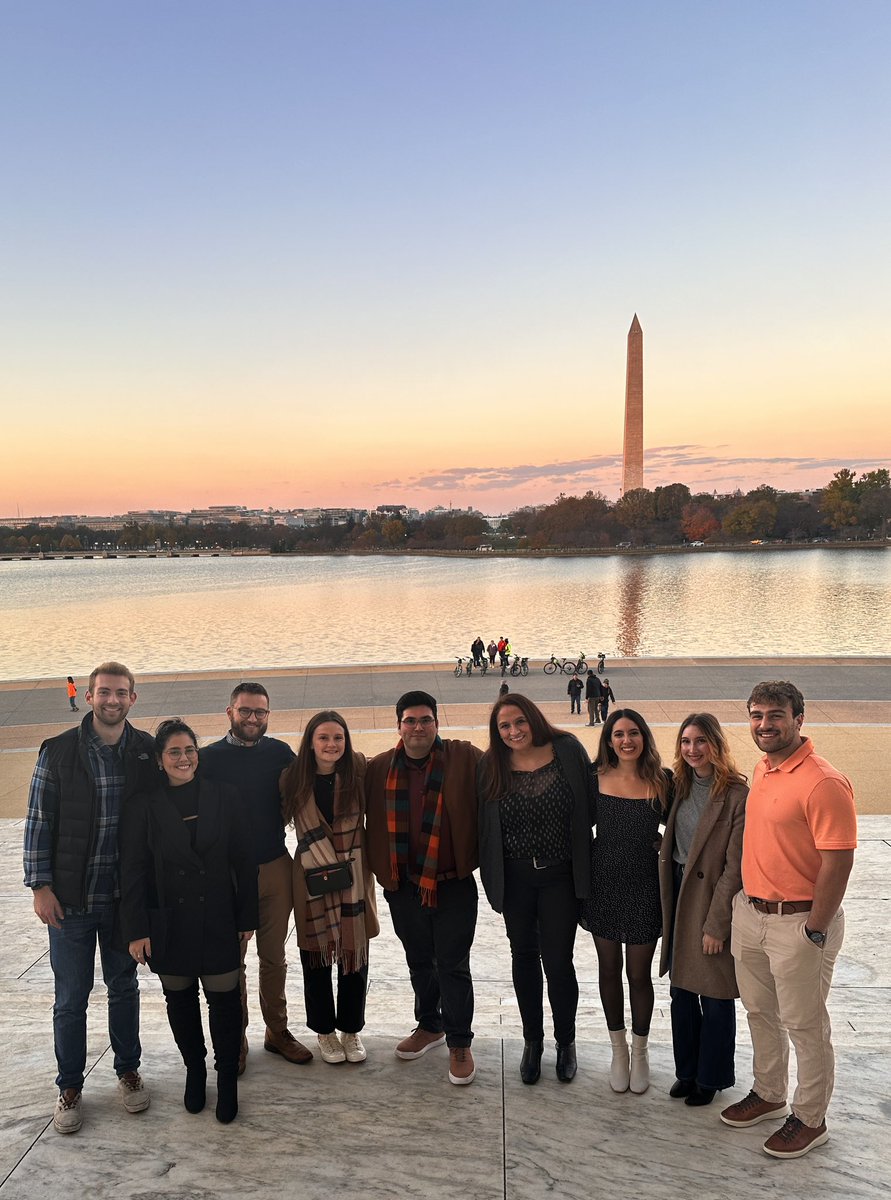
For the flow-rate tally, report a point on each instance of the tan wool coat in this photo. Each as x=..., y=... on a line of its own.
x=712, y=878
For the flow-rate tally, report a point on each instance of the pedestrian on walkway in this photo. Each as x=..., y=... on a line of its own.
x=423, y=848
x=535, y=813
x=624, y=911
x=83, y=780
x=323, y=797
x=72, y=695
x=699, y=874
x=188, y=902
x=788, y=923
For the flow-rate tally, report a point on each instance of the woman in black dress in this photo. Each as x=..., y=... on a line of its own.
x=624, y=907
x=188, y=900
x=535, y=820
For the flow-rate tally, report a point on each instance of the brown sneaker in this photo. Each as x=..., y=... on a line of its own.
x=795, y=1139
x=287, y=1046
x=751, y=1110
x=419, y=1043
x=461, y=1068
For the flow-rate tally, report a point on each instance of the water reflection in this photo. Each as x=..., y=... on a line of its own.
x=61, y=617
x=630, y=614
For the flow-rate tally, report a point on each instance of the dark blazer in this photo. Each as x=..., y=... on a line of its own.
x=206, y=896
x=576, y=766
x=712, y=878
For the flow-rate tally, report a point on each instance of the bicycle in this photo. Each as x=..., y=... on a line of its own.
x=570, y=667
x=520, y=666
x=601, y=662
x=459, y=668
x=551, y=667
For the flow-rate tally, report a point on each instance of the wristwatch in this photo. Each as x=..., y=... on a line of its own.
x=816, y=937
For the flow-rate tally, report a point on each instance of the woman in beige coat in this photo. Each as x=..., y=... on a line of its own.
x=323, y=796
x=699, y=874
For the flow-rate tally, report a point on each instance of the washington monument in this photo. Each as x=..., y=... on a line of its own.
x=632, y=454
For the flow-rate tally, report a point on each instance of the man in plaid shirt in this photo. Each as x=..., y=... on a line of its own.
x=81, y=780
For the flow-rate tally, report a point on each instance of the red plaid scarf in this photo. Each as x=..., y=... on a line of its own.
x=423, y=870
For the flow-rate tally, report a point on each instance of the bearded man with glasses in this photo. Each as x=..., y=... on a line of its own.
x=253, y=763
x=421, y=821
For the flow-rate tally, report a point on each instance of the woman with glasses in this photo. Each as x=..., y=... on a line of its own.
x=699, y=874
x=188, y=900
x=324, y=799
x=535, y=817
x=624, y=910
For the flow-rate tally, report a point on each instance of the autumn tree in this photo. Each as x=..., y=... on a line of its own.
x=699, y=523
x=839, y=503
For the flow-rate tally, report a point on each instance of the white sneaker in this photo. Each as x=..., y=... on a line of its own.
x=353, y=1048
x=67, y=1116
x=330, y=1048
x=133, y=1093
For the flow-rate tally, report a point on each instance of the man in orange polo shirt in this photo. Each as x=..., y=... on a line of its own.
x=788, y=925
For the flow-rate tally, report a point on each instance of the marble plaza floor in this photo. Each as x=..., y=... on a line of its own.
x=387, y=1128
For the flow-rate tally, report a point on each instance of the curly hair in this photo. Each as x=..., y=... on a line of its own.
x=777, y=691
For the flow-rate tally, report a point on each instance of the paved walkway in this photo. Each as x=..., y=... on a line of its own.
x=387, y=1129
x=848, y=707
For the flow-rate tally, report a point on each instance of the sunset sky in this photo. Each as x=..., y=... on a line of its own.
x=294, y=252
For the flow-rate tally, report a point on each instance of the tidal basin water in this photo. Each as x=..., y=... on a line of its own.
x=61, y=617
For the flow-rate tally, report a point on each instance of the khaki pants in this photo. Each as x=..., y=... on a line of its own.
x=274, y=885
x=784, y=982
x=593, y=710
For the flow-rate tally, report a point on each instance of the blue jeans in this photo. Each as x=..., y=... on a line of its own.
x=73, y=959
x=703, y=1034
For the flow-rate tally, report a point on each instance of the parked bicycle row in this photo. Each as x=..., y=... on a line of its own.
x=482, y=659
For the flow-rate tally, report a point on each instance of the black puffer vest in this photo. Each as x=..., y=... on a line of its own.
x=74, y=831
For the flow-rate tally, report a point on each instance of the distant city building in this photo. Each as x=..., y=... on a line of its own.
x=632, y=453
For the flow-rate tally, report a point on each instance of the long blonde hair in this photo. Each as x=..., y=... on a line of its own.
x=725, y=771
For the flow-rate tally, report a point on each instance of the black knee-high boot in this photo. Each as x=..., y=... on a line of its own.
x=184, y=1015
x=225, y=1033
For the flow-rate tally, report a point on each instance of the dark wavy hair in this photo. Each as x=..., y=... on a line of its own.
x=496, y=761
x=298, y=778
x=649, y=765
x=777, y=691
x=725, y=772
x=170, y=728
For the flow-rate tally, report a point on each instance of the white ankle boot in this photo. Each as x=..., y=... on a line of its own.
x=619, y=1070
x=640, y=1064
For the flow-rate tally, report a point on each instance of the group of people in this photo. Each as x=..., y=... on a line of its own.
x=500, y=649
x=598, y=696
x=181, y=853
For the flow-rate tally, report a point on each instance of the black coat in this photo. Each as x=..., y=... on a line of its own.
x=193, y=902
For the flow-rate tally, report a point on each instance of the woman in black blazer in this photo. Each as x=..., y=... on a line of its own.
x=188, y=901
x=535, y=817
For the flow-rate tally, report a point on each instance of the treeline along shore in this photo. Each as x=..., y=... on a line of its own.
x=849, y=509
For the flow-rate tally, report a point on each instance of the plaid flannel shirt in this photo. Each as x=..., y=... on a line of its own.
x=107, y=770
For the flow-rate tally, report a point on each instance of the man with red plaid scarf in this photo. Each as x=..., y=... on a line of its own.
x=422, y=846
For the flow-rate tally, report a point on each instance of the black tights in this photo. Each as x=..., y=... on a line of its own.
x=638, y=965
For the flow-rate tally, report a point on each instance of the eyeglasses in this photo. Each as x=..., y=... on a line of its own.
x=424, y=722
x=258, y=714
x=175, y=752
